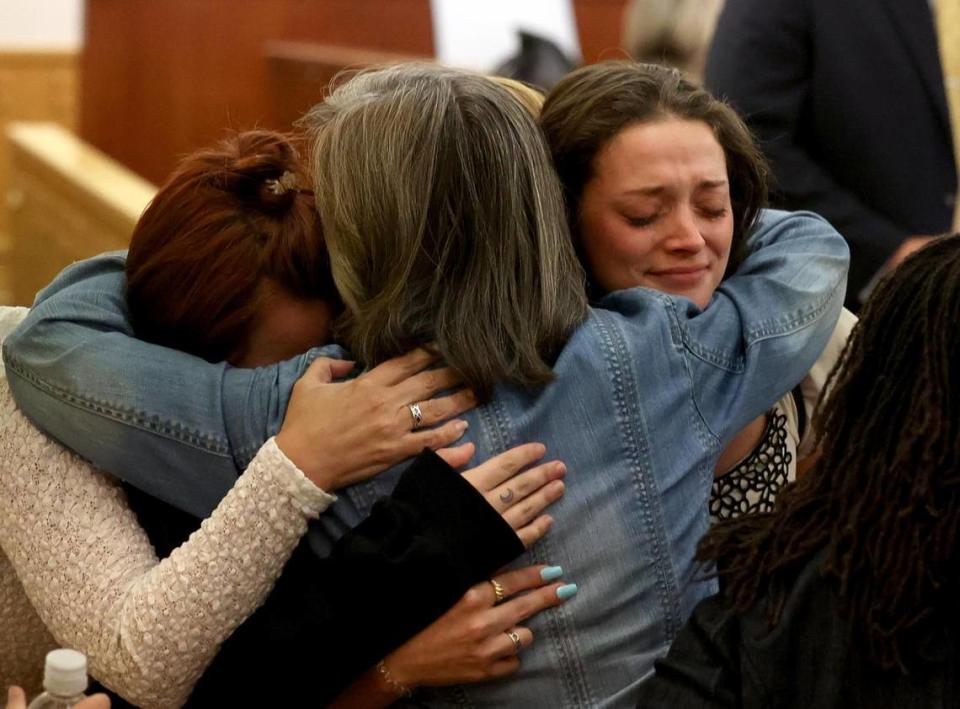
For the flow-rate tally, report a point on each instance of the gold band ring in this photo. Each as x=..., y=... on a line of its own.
x=515, y=637
x=498, y=591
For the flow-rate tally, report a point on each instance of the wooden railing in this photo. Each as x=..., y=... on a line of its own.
x=67, y=201
x=35, y=85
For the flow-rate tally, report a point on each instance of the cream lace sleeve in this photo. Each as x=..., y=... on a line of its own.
x=812, y=386
x=149, y=628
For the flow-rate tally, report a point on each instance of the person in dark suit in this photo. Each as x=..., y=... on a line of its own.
x=847, y=99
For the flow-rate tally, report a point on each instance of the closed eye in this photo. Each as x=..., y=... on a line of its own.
x=714, y=213
x=641, y=221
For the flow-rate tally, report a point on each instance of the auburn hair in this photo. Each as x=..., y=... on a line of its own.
x=227, y=222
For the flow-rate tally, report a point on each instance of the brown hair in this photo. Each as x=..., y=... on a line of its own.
x=214, y=234
x=448, y=226
x=593, y=104
x=884, y=499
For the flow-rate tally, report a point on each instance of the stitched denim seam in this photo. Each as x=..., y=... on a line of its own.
x=708, y=439
x=764, y=330
x=573, y=674
x=771, y=327
x=139, y=420
x=243, y=456
x=497, y=424
x=635, y=442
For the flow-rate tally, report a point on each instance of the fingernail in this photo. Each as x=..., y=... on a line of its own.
x=551, y=573
x=462, y=425
x=567, y=591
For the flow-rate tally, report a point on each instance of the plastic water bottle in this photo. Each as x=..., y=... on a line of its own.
x=64, y=678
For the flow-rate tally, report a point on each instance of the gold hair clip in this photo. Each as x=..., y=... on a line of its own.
x=285, y=183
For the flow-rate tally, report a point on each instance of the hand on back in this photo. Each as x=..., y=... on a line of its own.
x=339, y=433
x=481, y=637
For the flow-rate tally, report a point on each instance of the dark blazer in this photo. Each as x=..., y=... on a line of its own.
x=810, y=660
x=328, y=620
x=847, y=99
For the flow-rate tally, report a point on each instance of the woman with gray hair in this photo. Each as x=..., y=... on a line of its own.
x=446, y=225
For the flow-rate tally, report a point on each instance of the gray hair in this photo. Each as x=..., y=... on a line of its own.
x=445, y=223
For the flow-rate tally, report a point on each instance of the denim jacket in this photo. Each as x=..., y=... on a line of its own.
x=648, y=390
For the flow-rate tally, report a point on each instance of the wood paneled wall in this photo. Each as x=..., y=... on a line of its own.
x=600, y=24
x=34, y=86
x=300, y=73
x=68, y=201
x=162, y=78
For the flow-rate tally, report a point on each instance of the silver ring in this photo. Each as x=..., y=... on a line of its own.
x=417, y=415
x=513, y=635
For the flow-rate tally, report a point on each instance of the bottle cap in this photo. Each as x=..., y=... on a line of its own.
x=65, y=673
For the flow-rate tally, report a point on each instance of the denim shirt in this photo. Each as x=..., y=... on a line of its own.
x=648, y=390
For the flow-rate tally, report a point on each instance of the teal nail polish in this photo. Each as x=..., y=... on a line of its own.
x=551, y=573
x=568, y=591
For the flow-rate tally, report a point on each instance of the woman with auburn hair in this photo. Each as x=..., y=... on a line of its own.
x=228, y=263
x=663, y=184
x=446, y=225
x=845, y=595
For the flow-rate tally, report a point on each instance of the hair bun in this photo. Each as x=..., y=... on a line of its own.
x=264, y=171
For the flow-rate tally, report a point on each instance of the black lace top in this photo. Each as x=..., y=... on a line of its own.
x=753, y=484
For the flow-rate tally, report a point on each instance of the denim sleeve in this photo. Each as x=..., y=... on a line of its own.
x=768, y=323
x=173, y=425
x=762, y=331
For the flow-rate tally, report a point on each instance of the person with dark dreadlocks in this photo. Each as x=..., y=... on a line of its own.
x=845, y=595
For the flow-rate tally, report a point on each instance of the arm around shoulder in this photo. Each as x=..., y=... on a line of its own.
x=767, y=323
x=149, y=628
x=152, y=416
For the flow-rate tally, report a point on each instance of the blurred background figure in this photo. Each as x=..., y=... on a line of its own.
x=539, y=62
x=534, y=41
x=849, y=104
x=672, y=32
